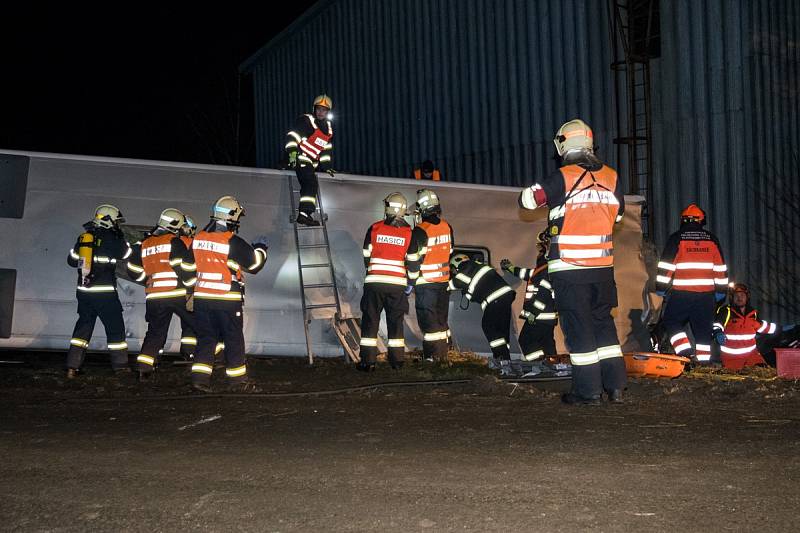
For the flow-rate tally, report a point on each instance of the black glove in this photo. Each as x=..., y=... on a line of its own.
x=293, y=159
x=507, y=265
x=330, y=172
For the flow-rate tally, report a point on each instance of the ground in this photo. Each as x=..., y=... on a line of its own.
x=703, y=452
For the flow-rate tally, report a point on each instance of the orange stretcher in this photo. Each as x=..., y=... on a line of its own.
x=654, y=365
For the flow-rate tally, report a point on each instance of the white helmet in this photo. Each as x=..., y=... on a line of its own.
x=227, y=209
x=189, y=227
x=395, y=205
x=171, y=220
x=107, y=216
x=428, y=202
x=457, y=259
x=574, y=135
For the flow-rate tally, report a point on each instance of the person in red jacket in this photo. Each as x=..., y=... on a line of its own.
x=741, y=325
x=692, y=277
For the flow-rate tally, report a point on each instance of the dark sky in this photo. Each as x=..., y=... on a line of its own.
x=154, y=83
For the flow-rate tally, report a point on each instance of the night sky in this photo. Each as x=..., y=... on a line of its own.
x=154, y=83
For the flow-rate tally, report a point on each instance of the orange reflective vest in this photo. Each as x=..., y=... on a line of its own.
x=214, y=275
x=435, y=177
x=589, y=213
x=740, y=347
x=435, y=266
x=387, y=259
x=162, y=281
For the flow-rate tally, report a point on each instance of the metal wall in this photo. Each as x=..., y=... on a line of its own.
x=725, y=127
x=478, y=86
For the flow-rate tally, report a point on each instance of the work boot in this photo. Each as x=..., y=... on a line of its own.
x=246, y=386
x=506, y=370
x=145, y=377
x=306, y=220
x=571, y=398
x=615, y=396
x=202, y=387
x=365, y=367
x=72, y=373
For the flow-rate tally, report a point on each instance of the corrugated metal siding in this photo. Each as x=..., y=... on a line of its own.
x=725, y=121
x=478, y=86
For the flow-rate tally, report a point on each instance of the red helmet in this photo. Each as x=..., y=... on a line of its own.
x=693, y=212
x=741, y=287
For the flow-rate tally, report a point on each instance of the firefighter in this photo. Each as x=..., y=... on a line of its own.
x=427, y=172
x=163, y=263
x=585, y=199
x=309, y=147
x=740, y=324
x=435, y=238
x=392, y=263
x=220, y=256
x=692, y=277
x=95, y=255
x=538, y=311
x=188, y=334
x=481, y=283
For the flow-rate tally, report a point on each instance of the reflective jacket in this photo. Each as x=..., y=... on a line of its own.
x=585, y=200
x=479, y=282
x=436, y=237
x=692, y=261
x=312, y=138
x=157, y=261
x=435, y=175
x=741, y=325
x=389, y=254
x=219, y=258
x=539, y=297
x=109, y=247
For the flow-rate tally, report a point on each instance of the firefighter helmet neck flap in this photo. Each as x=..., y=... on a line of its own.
x=574, y=136
x=227, y=210
x=171, y=220
x=107, y=216
x=189, y=227
x=395, y=205
x=427, y=205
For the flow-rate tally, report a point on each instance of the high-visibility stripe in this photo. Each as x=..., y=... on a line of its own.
x=697, y=282
x=164, y=275
x=717, y=325
x=413, y=275
x=188, y=267
x=146, y=359
x=438, y=266
x=368, y=341
x=80, y=343
x=463, y=277
x=261, y=256
x=103, y=259
x=202, y=368
x=294, y=135
x=546, y=316
x=705, y=348
x=584, y=358
x=663, y=279
x=482, y=272
x=118, y=345
x=608, y=352
x=166, y=294
x=678, y=336
x=230, y=296
x=721, y=281
x=738, y=351
x=538, y=305
x=210, y=276
x=412, y=257
x=666, y=266
x=393, y=280
x=720, y=268
x=190, y=282
x=546, y=284
x=175, y=262
x=219, y=347
x=581, y=239
x=135, y=268
x=396, y=343
x=521, y=273
x=768, y=327
x=189, y=340
x=689, y=265
x=495, y=295
x=379, y=261
x=97, y=288
x=236, y=372
x=233, y=265
x=165, y=283
x=585, y=253
x=308, y=199
x=733, y=337
x=386, y=268
x=533, y=355
x=213, y=285
x=498, y=342
x=435, y=336
x=73, y=255
x=680, y=348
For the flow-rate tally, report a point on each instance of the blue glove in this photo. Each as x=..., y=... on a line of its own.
x=720, y=337
x=661, y=293
x=719, y=296
x=408, y=290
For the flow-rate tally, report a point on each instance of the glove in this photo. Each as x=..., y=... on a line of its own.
x=190, y=302
x=330, y=172
x=408, y=290
x=719, y=296
x=507, y=265
x=531, y=319
x=293, y=159
x=661, y=293
x=720, y=337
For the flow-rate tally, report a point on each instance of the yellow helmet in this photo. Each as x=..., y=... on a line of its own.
x=171, y=219
x=107, y=216
x=574, y=135
x=323, y=100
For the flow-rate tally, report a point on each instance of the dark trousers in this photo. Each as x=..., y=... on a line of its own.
x=379, y=297
x=432, y=302
x=107, y=308
x=309, y=187
x=188, y=339
x=496, y=324
x=158, y=314
x=218, y=320
x=697, y=310
x=584, y=310
x=536, y=340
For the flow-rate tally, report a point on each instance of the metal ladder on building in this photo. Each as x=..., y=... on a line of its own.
x=347, y=329
x=634, y=26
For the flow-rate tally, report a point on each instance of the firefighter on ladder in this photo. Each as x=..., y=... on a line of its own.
x=95, y=255
x=392, y=263
x=585, y=200
x=692, y=277
x=741, y=324
x=432, y=300
x=481, y=283
x=220, y=256
x=536, y=338
x=163, y=263
x=309, y=148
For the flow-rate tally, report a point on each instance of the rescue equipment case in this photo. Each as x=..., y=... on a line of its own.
x=654, y=365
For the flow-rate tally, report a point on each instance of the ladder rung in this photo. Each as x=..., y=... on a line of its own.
x=304, y=246
x=317, y=285
x=315, y=265
x=319, y=306
x=301, y=227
